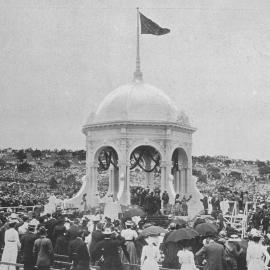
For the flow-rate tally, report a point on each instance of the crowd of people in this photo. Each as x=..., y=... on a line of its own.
x=40, y=173
x=85, y=241
x=30, y=194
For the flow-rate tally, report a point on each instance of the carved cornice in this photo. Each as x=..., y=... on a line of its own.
x=121, y=124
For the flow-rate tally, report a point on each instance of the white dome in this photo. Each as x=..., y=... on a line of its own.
x=136, y=101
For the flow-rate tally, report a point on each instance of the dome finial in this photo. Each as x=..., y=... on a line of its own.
x=138, y=76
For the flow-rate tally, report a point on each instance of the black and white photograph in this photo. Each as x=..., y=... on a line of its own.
x=134, y=135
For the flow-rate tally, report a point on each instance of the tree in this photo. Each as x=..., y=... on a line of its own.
x=81, y=155
x=62, y=164
x=24, y=167
x=196, y=172
x=264, y=170
x=260, y=163
x=53, y=183
x=202, y=178
x=36, y=154
x=2, y=163
x=62, y=152
x=20, y=155
x=70, y=179
x=227, y=162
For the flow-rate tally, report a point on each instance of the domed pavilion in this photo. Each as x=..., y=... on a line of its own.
x=138, y=126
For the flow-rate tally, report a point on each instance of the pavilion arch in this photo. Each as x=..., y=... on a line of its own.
x=147, y=158
x=179, y=170
x=107, y=160
x=152, y=144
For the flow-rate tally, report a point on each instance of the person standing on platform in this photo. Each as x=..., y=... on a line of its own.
x=165, y=200
x=177, y=206
x=205, y=204
x=184, y=205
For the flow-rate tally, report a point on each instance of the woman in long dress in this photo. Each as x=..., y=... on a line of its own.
x=177, y=205
x=150, y=255
x=186, y=259
x=12, y=244
x=256, y=253
x=130, y=236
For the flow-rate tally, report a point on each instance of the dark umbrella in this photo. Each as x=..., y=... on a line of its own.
x=153, y=230
x=182, y=234
x=133, y=211
x=205, y=229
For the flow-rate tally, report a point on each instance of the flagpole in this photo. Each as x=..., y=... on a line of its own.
x=138, y=74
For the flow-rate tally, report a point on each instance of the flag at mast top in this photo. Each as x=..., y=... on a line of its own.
x=147, y=27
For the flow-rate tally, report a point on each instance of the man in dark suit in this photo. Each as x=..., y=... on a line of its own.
x=97, y=236
x=78, y=252
x=27, y=244
x=108, y=249
x=214, y=254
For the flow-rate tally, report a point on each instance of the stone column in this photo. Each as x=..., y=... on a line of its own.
x=115, y=182
x=163, y=185
x=111, y=180
x=169, y=186
x=180, y=181
x=186, y=180
x=177, y=180
x=94, y=178
x=123, y=194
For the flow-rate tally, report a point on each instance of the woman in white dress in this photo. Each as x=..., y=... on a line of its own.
x=12, y=244
x=186, y=259
x=130, y=236
x=256, y=253
x=150, y=255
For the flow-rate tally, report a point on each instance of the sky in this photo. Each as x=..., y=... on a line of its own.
x=60, y=58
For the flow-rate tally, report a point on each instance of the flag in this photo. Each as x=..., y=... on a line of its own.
x=150, y=27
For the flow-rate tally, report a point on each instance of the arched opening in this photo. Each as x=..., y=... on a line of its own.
x=107, y=171
x=179, y=170
x=144, y=170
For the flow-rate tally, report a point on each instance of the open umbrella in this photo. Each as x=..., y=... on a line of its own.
x=205, y=229
x=134, y=211
x=153, y=230
x=182, y=234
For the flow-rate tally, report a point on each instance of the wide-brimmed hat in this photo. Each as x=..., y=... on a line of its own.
x=129, y=223
x=107, y=231
x=13, y=221
x=234, y=237
x=13, y=216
